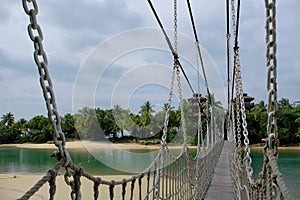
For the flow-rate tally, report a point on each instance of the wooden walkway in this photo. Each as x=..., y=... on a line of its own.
x=221, y=185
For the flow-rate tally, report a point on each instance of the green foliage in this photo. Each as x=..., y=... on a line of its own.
x=87, y=125
x=39, y=130
x=95, y=124
x=257, y=122
x=68, y=126
x=10, y=131
x=288, y=122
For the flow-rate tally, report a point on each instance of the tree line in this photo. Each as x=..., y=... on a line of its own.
x=121, y=125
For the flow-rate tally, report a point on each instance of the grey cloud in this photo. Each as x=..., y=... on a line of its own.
x=72, y=28
x=108, y=16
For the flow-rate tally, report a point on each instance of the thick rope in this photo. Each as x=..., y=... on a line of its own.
x=49, y=177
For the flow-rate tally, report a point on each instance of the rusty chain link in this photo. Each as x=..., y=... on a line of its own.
x=40, y=58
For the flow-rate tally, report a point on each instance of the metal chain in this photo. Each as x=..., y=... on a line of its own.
x=233, y=18
x=228, y=124
x=199, y=127
x=232, y=119
x=175, y=27
x=40, y=58
x=165, y=129
x=238, y=114
x=166, y=122
x=164, y=136
x=207, y=121
x=239, y=88
x=183, y=123
x=238, y=122
x=272, y=67
x=200, y=130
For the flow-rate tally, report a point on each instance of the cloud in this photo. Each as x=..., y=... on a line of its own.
x=72, y=29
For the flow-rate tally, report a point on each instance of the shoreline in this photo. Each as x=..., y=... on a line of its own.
x=94, y=145
x=124, y=146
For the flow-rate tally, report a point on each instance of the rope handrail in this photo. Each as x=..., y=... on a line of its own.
x=171, y=172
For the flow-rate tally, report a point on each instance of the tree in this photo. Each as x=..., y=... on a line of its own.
x=39, y=129
x=122, y=119
x=68, y=126
x=87, y=125
x=105, y=119
x=8, y=119
x=284, y=103
x=9, y=132
x=287, y=122
x=214, y=102
x=145, y=119
x=158, y=120
x=257, y=122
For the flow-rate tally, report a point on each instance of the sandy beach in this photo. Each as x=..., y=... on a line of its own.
x=14, y=186
x=85, y=144
x=92, y=145
x=108, y=145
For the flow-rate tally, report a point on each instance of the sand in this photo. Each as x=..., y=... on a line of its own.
x=14, y=186
x=85, y=144
x=91, y=145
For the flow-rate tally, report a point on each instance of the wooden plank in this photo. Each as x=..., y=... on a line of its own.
x=221, y=185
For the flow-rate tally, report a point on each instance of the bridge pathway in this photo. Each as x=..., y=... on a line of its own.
x=221, y=184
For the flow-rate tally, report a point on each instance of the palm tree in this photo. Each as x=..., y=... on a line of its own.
x=146, y=112
x=217, y=104
x=145, y=118
x=122, y=118
x=8, y=119
x=284, y=103
x=147, y=107
x=86, y=123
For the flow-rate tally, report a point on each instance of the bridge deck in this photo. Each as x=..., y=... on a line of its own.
x=221, y=184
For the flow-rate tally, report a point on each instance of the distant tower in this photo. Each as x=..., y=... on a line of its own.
x=195, y=103
x=248, y=101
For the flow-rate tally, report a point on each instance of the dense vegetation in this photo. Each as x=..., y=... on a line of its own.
x=120, y=125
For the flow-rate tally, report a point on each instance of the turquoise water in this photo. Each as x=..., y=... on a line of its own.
x=288, y=164
x=18, y=160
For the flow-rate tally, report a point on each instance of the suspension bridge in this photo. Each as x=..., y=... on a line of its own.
x=221, y=168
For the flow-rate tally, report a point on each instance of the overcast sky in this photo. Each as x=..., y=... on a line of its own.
x=133, y=61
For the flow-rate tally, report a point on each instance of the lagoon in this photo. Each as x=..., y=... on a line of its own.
x=38, y=161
